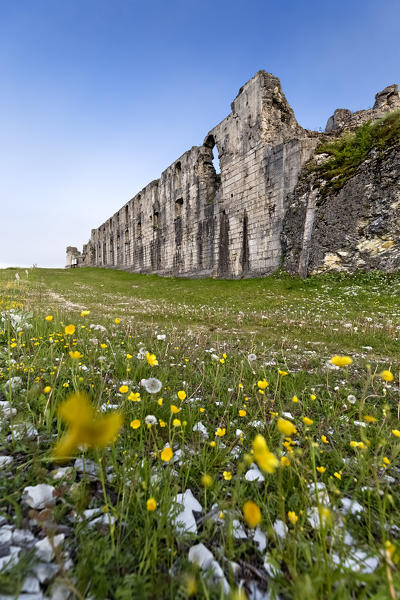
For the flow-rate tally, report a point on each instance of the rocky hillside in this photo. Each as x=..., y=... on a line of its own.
x=344, y=213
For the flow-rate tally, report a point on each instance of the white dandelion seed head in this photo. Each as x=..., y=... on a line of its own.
x=150, y=420
x=251, y=357
x=152, y=385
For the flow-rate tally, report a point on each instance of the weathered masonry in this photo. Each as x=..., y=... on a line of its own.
x=196, y=222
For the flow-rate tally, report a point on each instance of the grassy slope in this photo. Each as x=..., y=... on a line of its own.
x=291, y=324
x=299, y=311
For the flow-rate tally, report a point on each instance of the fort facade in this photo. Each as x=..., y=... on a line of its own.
x=195, y=222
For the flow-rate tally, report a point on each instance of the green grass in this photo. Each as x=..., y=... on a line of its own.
x=350, y=150
x=211, y=327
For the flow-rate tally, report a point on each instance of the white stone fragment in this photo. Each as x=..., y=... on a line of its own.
x=5, y=461
x=320, y=489
x=44, y=549
x=188, y=501
x=61, y=472
x=254, y=474
x=87, y=466
x=5, y=536
x=237, y=530
x=200, y=555
x=39, y=496
x=201, y=428
x=104, y=519
x=31, y=585
x=184, y=504
x=60, y=591
x=185, y=522
x=23, y=537
x=260, y=539
x=6, y=410
x=351, y=506
x=45, y=572
x=23, y=430
x=280, y=528
x=271, y=565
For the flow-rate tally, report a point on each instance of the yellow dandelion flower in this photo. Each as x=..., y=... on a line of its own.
x=181, y=395
x=242, y=413
x=47, y=389
x=285, y=462
x=176, y=423
x=212, y=444
x=262, y=384
x=103, y=346
x=386, y=461
x=123, y=389
x=337, y=475
x=166, y=454
x=221, y=431
x=75, y=355
x=128, y=356
x=69, y=330
x=396, y=432
x=135, y=424
x=117, y=320
x=86, y=427
x=162, y=423
x=321, y=469
x=84, y=313
x=341, y=361
x=369, y=419
x=295, y=399
x=227, y=475
x=160, y=401
x=324, y=439
x=49, y=318
x=151, y=504
x=251, y=513
x=313, y=397
x=282, y=373
x=293, y=518
x=151, y=359
x=265, y=459
x=307, y=421
x=174, y=409
x=387, y=375
x=206, y=480
x=133, y=396
x=286, y=427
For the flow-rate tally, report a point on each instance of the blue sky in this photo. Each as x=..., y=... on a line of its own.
x=98, y=97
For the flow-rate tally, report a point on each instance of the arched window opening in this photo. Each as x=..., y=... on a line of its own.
x=177, y=175
x=126, y=214
x=155, y=220
x=139, y=229
x=210, y=143
x=178, y=208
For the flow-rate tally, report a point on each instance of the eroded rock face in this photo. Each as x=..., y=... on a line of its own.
x=356, y=229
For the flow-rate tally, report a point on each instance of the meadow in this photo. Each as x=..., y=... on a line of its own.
x=199, y=438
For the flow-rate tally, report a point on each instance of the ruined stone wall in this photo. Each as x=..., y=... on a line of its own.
x=195, y=222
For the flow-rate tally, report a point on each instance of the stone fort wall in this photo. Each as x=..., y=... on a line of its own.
x=195, y=222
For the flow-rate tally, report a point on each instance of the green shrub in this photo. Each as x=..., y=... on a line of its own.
x=349, y=151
